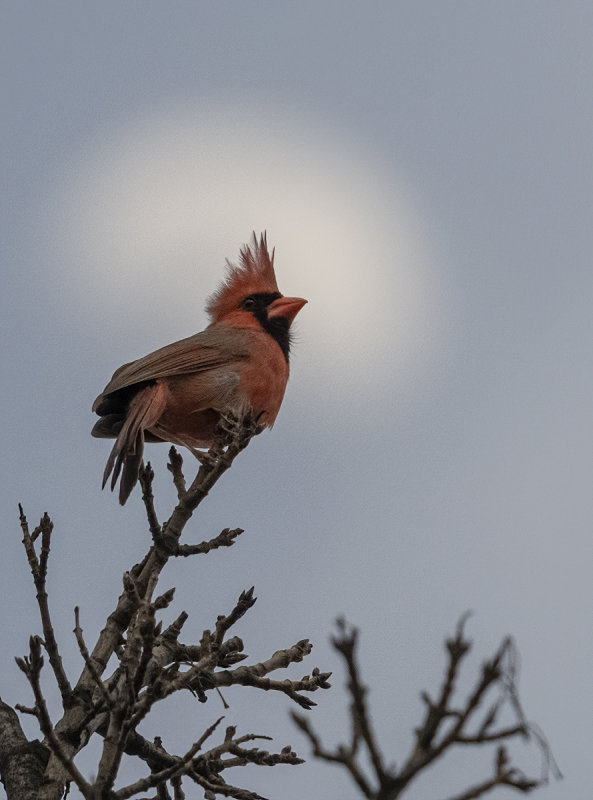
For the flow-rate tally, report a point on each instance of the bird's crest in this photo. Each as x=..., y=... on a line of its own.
x=254, y=273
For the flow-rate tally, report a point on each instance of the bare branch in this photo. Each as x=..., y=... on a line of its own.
x=214, y=652
x=342, y=755
x=254, y=675
x=231, y=441
x=152, y=662
x=174, y=466
x=145, y=574
x=32, y=666
x=225, y=538
x=244, y=603
x=433, y=736
x=39, y=571
x=145, y=477
x=346, y=645
x=180, y=768
x=503, y=733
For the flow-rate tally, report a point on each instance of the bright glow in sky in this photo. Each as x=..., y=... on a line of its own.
x=151, y=212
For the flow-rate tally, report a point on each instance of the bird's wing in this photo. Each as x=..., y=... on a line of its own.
x=217, y=346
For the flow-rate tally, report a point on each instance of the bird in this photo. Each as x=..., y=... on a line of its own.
x=237, y=366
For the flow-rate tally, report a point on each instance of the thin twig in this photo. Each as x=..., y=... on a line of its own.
x=225, y=538
x=145, y=476
x=180, y=768
x=174, y=466
x=88, y=660
x=346, y=645
x=38, y=568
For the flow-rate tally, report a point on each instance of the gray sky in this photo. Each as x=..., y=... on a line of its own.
x=424, y=171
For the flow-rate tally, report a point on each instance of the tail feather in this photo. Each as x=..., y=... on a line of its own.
x=144, y=410
x=108, y=426
x=131, y=469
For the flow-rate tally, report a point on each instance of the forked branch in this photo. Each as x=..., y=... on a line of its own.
x=446, y=724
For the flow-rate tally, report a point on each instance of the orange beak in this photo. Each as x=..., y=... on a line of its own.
x=287, y=307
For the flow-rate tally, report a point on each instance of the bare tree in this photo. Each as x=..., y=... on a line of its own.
x=152, y=663
x=446, y=724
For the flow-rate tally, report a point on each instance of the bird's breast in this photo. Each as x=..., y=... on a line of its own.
x=255, y=384
x=263, y=377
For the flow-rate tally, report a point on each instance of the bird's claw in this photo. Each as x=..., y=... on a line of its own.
x=235, y=428
x=253, y=426
x=231, y=428
x=229, y=425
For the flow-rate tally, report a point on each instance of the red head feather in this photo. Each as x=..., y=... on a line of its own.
x=255, y=273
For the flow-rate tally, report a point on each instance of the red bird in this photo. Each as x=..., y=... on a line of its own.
x=238, y=365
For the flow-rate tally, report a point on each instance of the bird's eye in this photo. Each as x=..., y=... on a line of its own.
x=249, y=304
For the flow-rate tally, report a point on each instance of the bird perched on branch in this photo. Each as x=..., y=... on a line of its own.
x=237, y=366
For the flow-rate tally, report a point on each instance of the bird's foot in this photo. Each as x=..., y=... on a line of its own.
x=235, y=428
x=252, y=425
x=228, y=427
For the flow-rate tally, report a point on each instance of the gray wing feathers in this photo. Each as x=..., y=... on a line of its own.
x=203, y=351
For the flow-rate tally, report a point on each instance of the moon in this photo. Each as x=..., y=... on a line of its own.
x=148, y=211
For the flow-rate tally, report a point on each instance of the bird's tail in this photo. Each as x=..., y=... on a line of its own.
x=126, y=456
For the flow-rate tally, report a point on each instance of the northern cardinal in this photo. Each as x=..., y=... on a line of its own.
x=237, y=366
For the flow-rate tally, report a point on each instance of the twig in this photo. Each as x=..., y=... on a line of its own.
x=145, y=476
x=219, y=459
x=180, y=768
x=88, y=660
x=244, y=603
x=38, y=568
x=254, y=675
x=346, y=645
x=342, y=755
x=225, y=538
x=174, y=466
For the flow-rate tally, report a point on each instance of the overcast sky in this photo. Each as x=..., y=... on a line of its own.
x=424, y=172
